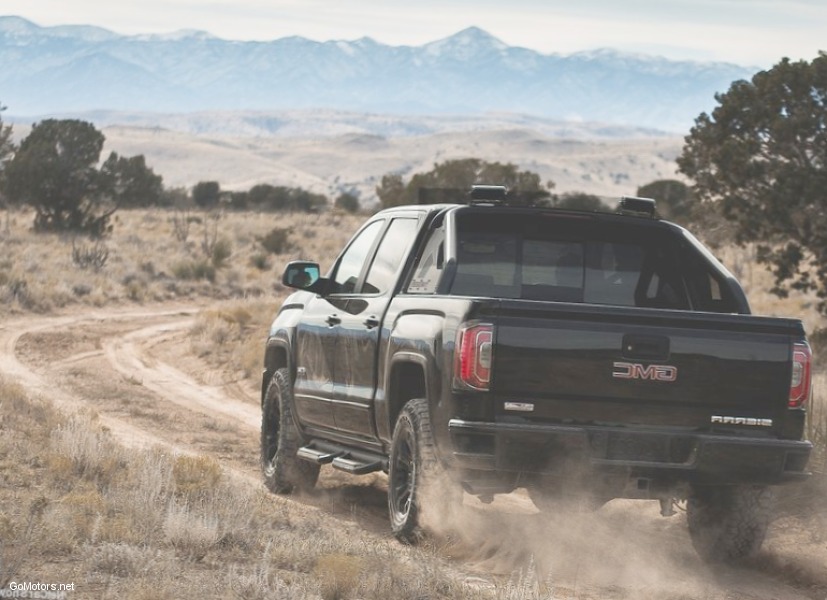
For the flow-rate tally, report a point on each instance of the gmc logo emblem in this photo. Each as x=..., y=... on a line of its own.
x=624, y=370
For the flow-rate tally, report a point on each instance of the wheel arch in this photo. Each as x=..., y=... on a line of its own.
x=407, y=381
x=276, y=356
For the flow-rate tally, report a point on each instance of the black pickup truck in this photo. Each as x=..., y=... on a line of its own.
x=486, y=347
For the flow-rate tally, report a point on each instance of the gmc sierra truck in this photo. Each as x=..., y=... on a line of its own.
x=486, y=347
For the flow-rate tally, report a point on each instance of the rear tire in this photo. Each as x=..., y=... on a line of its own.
x=283, y=471
x=728, y=523
x=416, y=476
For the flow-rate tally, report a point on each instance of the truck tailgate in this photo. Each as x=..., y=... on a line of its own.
x=588, y=364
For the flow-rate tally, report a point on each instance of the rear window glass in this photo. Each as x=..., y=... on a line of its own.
x=565, y=259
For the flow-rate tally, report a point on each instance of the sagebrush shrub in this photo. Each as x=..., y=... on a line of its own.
x=277, y=241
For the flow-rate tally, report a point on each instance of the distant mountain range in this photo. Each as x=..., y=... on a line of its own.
x=73, y=69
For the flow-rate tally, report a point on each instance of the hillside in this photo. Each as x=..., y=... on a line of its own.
x=355, y=162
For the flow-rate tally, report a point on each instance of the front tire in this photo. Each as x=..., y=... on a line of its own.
x=283, y=471
x=728, y=523
x=416, y=476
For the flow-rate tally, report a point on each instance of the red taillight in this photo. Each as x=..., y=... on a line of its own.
x=801, y=376
x=473, y=353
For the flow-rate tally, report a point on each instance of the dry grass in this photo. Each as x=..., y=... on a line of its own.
x=149, y=525
x=161, y=526
x=195, y=476
x=149, y=260
x=231, y=335
x=817, y=434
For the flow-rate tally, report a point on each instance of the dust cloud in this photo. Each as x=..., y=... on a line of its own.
x=624, y=549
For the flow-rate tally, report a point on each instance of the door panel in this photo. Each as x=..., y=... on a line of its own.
x=357, y=356
x=315, y=360
x=317, y=335
x=355, y=372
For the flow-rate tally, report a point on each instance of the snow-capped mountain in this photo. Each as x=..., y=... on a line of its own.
x=49, y=70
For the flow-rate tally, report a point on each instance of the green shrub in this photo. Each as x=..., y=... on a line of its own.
x=221, y=251
x=260, y=261
x=347, y=202
x=204, y=270
x=90, y=257
x=81, y=289
x=818, y=341
x=277, y=241
x=194, y=269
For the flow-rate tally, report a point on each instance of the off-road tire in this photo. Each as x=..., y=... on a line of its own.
x=283, y=471
x=728, y=523
x=416, y=476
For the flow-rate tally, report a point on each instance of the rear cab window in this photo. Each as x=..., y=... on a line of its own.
x=567, y=257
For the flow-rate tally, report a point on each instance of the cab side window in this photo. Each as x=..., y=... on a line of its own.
x=353, y=260
x=429, y=266
x=389, y=256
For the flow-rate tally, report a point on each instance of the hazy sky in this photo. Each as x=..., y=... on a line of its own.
x=747, y=32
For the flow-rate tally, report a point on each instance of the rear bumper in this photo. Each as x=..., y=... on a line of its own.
x=666, y=456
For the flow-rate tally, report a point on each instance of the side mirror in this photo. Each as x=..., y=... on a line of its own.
x=301, y=275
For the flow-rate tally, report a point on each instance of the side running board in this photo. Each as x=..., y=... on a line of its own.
x=316, y=455
x=356, y=466
x=355, y=462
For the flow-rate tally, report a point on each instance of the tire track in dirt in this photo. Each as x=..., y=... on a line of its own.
x=45, y=387
x=126, y=354
x=129, y=352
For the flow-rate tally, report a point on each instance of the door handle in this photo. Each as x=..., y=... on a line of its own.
x=333, y=320
x=371, y=322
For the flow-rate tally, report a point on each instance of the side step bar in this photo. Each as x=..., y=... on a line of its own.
x=356, y=466
x=355, y=462
x=316, y=455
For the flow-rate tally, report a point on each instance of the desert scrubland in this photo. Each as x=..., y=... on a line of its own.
x=129, y=452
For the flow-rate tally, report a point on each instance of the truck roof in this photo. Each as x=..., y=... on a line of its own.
x=605, y=216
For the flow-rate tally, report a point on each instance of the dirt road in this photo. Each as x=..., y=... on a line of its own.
x=134, y=369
